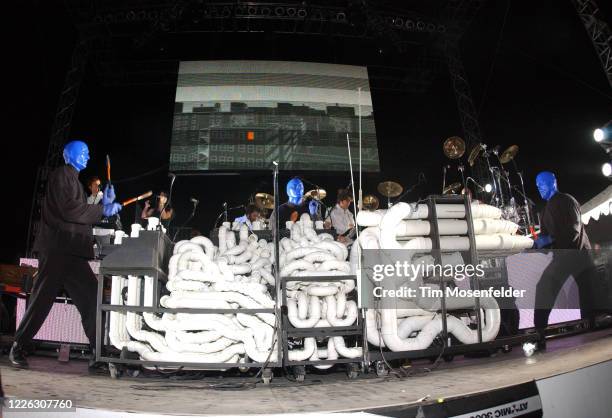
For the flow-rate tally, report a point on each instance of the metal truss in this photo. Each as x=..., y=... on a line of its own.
x=59, y=134
x=459, y=14
x=598, y=31
x=347, y=19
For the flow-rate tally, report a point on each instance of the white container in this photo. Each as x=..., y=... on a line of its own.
x=119, y=235
x=256, y=225
x=227, y=225
x=152, y=223
x=288, y=224
x=135, y=232
x=319, y=225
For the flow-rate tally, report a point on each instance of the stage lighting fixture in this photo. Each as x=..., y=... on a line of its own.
x=606, y=169
x=488, y=188
x=603, y=135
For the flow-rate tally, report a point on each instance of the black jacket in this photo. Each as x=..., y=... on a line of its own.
x=561, y=220
x=66, y=218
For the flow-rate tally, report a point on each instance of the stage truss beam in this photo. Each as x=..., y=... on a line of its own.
x=598, y=31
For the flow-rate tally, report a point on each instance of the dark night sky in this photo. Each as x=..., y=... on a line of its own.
x=541, y=87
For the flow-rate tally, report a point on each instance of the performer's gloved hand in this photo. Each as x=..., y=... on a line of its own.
x=109, y=195
x=313, y=207
x=111, y=209
x=542, y=241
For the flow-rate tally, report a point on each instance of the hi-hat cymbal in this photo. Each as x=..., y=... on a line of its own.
x=474, y=153
x=264, y=201
x=451, y=188
x=390, y=189
x=370, y=202
x=454, y=147
x=318, y=194
x=509, y=154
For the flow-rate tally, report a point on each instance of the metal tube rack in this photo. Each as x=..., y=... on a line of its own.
x=151, y=266
x=471, y=256
x=289, y=331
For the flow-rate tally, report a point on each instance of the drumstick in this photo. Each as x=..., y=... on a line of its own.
x=108, y=177
x=137, y=198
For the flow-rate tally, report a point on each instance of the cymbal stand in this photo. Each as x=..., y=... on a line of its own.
x=495, y=196
x=444, y=168
x=505, y=175
x=525, y=199
x=461, y=168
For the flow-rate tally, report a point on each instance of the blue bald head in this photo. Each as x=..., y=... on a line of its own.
x=76, y=154
x=547, y=184
x=295, y=190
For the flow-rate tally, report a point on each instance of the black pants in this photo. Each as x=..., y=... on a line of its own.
x=56, y=272
x=565, y=263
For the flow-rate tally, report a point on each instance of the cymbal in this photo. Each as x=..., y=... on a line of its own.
x=474, y=153
x=454, y=147
x=390, y=189
x=451, y=188
x=370, y=202
x=264, y=201
x=509, y=154
x=318, y=194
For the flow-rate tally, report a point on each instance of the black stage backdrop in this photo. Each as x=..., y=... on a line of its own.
x=541, y=87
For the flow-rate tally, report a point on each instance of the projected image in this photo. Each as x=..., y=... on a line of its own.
x=242, y=115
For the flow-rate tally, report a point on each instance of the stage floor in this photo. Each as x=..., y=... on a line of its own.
x=331, y=392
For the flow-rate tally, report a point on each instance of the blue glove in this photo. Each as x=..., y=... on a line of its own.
x=542, y=241
x=111, y=209
x=109, y=195
x=313, y=207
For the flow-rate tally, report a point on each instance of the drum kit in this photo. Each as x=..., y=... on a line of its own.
x=500, y=187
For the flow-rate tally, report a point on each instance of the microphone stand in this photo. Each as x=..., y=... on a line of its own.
x=167, y=202
x=276, y=238
x=420, y=180
x=224, y=213
x=195, y=205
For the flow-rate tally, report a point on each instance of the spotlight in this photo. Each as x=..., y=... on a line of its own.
x=603, y=134
x=488, y=188
x=606, y=169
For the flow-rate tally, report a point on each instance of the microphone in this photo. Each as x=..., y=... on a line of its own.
x=194, y=200
x=171, y=175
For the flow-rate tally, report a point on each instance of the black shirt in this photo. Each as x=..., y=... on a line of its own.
x=66, y=218
x=291, y=212
x=561, y=220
